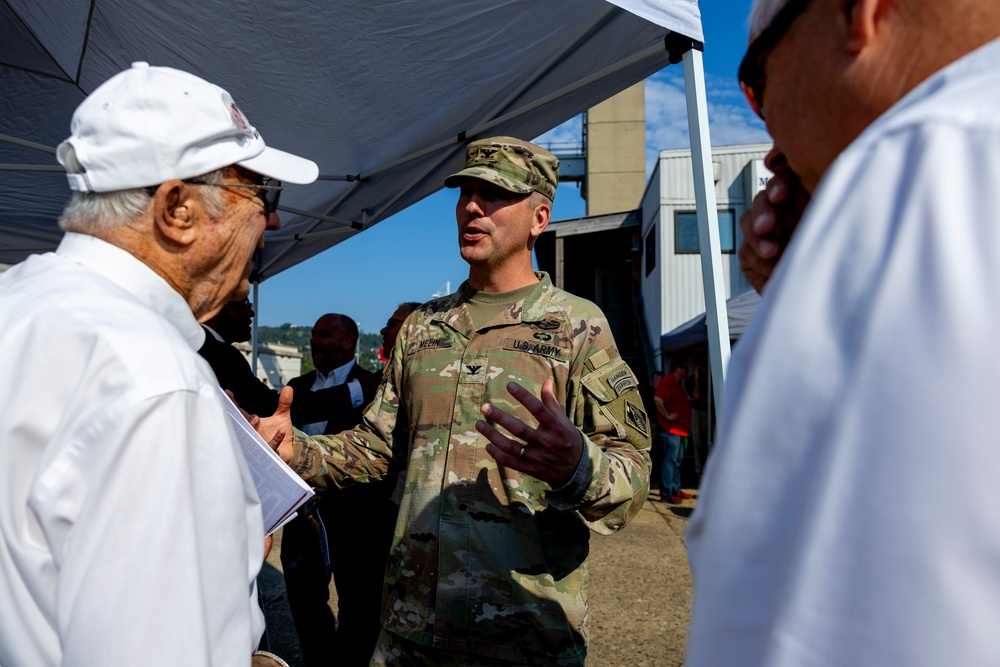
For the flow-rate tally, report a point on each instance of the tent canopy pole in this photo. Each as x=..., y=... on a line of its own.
x=253, y=329
x=708, y=221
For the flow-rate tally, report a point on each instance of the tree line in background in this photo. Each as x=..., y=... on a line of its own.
x=298, y=337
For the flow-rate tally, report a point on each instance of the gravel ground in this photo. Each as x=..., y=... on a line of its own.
x=640, y=590
x=640, y=594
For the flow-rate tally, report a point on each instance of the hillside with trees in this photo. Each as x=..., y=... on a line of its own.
x=298, y=337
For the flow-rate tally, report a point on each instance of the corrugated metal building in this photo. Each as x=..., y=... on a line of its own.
x=671, y=277
x=643, y=266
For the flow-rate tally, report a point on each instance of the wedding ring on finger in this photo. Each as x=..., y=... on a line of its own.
x=524, y=448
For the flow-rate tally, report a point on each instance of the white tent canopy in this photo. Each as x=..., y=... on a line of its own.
x=382, y=95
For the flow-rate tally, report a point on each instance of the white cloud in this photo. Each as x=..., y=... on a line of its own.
x=562, y=136
x=730, y=119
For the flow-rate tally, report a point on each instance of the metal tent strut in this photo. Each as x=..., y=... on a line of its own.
x=27, y=144
x=708, y=220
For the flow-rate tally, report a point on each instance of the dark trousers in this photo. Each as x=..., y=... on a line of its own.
x=360, y=538
x=307, y=581
x=359, y=523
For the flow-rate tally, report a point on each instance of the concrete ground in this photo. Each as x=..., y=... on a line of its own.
x=640, y=594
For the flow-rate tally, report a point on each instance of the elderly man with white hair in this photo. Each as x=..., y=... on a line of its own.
x=848, y=515
x=130, y=527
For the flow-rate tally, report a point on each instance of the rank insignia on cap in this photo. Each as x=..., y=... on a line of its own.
x=487, y=154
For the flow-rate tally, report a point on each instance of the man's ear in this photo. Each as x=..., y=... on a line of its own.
x=540, y=218
x=174, y=211
x=863, y=19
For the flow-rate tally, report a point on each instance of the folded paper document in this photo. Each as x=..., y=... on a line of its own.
x=281, y=491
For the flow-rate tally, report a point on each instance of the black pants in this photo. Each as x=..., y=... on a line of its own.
x=359, y=525
x=307, y=581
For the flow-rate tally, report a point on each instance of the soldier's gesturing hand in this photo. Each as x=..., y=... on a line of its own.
x=549, y=452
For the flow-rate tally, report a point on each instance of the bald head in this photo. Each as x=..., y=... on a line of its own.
x=334, y=337
x=834, y=66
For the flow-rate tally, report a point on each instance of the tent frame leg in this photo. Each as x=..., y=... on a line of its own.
x=708, y=222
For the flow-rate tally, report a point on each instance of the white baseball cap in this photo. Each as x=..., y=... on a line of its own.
x=147, y=125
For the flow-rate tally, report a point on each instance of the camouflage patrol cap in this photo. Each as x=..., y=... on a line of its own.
x=512, y=164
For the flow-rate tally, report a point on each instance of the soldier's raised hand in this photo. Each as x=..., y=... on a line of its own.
x=550, y=451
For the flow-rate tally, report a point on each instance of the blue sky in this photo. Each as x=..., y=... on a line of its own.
x=414, y=254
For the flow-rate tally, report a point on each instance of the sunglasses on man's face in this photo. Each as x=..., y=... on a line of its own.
x=751, y=72
x=269, y=192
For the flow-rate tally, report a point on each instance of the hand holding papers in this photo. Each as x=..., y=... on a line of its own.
x=281, y=491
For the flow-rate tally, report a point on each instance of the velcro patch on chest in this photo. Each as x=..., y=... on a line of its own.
x=428, y=344
x=474, y=370
x=536, y=347
x=621, y=381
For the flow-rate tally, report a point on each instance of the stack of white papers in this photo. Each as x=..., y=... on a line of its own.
x=281, y=491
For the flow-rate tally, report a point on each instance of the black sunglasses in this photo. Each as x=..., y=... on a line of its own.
x=751, y=72
x=269, y=192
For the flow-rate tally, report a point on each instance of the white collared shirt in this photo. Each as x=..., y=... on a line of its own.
x=848, y=515
x=334, y=378
x=130, y=529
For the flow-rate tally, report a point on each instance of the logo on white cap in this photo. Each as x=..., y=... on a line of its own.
x=240, y=122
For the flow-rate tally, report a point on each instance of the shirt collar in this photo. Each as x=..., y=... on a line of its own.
x=131, y=275
x=214, y=333
x=338, y=374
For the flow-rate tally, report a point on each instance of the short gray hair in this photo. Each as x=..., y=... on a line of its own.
x=92, y=212
x=761, y=14
x=536, y=198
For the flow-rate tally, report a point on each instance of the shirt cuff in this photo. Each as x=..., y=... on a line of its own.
x=307, y=460
x=573, y=491
x=357, y=396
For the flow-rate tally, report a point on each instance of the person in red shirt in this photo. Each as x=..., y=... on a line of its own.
x=674, y=418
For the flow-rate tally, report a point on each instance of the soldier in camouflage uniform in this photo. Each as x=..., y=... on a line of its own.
x=488, y=564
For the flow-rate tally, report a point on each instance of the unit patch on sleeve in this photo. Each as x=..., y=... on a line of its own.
x=621, y=381
x=636, y=418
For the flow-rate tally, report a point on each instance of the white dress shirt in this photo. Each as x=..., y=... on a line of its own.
x=130, y=529
x=334, y=378
x=849, y=514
